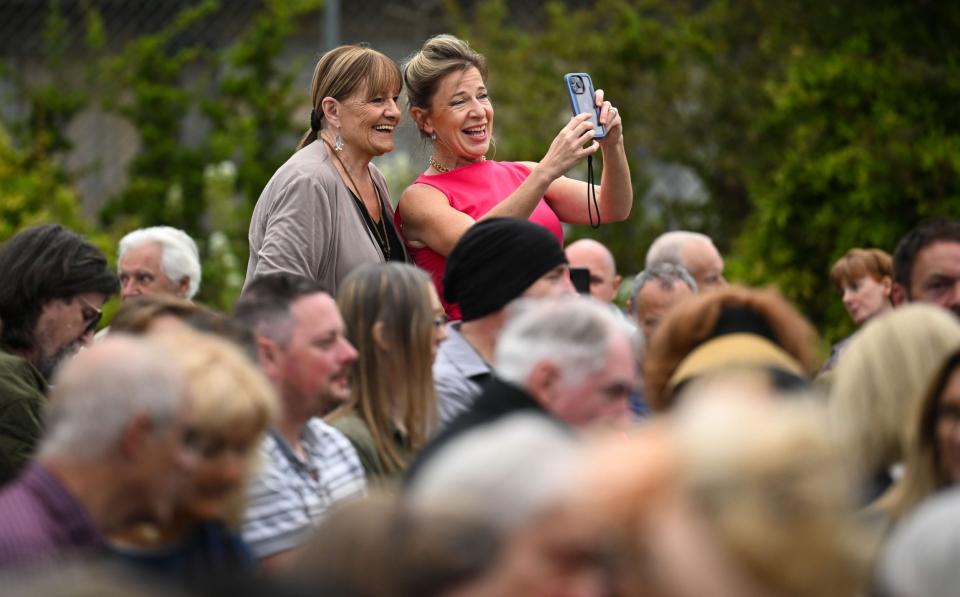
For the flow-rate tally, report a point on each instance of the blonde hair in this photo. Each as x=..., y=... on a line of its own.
x=345, y=70
x=857, y=263
x=229, y=396
x=924, y=474
x=879, y=378
x=440, y=55
x=391, y=384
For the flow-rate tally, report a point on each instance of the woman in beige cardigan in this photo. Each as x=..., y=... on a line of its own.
x=327, y=209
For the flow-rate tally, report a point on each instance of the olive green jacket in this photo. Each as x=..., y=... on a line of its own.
x=377, y=471
x=23, y=393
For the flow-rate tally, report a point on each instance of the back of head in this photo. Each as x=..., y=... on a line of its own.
x=440, y=55
x=138, y=313
x=857, y=263
x=751, y=466
x=416, y=552
x=180, y=256
x=495, y=261
x=916, y=240
x=99, y=392
x=229, y=395
x=264, y=306
x=668, y=247
x=733, y=327
x=346, y=70
x=389, y=319
x=40, y=264
x=507, y=474
x=574, y=333
x=881, y=375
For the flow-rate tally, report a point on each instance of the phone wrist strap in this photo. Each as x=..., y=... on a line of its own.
x=592, y=205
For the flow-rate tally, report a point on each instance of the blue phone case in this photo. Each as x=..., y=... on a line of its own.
x=583, y=99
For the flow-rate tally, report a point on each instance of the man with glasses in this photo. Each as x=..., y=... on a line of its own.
x=116, y=452
x=52, y=287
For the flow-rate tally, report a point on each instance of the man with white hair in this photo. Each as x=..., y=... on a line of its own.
x=115, y=452
x=567, y=359
x=655, y=292
x=694, y=252
x=158, y=260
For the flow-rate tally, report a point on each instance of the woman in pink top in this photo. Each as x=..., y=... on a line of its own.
x=448, y=100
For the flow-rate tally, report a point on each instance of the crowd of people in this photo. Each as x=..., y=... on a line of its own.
x=419, y=402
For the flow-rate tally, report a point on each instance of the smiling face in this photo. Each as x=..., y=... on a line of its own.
x=461, y=117
x=865, y=297
x=367, y=121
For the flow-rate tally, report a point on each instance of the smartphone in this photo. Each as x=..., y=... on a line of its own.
x=580, y=276
x=583, y=98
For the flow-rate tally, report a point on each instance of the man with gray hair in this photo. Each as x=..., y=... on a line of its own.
x=655, y=291
x=158, y=260
x=567, y=359
x=694, y=252
x=115, y=452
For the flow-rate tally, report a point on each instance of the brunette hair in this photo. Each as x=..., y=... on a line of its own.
x=397, y=380
x=923, y=475
x=693, y=321
x=137, y=314
x=918, y=239
x=857, y=263
x=344, y=70
x=440, y=55
x=40, y=264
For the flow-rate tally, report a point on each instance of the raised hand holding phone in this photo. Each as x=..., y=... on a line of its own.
x=585, y=100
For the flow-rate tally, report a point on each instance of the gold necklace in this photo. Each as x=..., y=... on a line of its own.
x=443, y=169
x=379, y=232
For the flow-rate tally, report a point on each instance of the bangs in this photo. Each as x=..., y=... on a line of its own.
x=847, y=270
x=383, y=76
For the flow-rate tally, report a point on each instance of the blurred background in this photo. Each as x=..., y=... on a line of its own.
x=789, y=132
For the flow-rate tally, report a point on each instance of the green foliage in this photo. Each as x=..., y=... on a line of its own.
x=240, y=98
x=815, y=127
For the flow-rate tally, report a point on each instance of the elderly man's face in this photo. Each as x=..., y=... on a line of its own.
x=602, y=397
x=141, y=273
x=705, y=264
x=655, y=300
x=64, y=327
x=936, y=276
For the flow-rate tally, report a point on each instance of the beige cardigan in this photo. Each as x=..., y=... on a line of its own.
x=307, y=223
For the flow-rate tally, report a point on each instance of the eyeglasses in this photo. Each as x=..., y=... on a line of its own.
x=90, y=319
x=440, y=320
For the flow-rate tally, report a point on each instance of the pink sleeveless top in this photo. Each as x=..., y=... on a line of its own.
x=475, y=189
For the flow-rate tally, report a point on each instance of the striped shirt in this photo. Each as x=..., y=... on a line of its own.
x=40, y=520
x=288, y=496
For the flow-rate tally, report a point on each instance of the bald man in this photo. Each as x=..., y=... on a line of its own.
x=692, y=251
x=589, y=254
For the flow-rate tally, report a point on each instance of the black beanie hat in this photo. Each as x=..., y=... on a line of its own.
x=495, y=262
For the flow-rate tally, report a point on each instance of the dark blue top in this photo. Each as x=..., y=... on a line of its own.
x=210, y=553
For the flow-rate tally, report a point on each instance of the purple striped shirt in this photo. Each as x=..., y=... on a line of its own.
x=40, y=520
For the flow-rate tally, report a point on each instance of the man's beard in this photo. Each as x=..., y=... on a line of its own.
x=48, y=363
